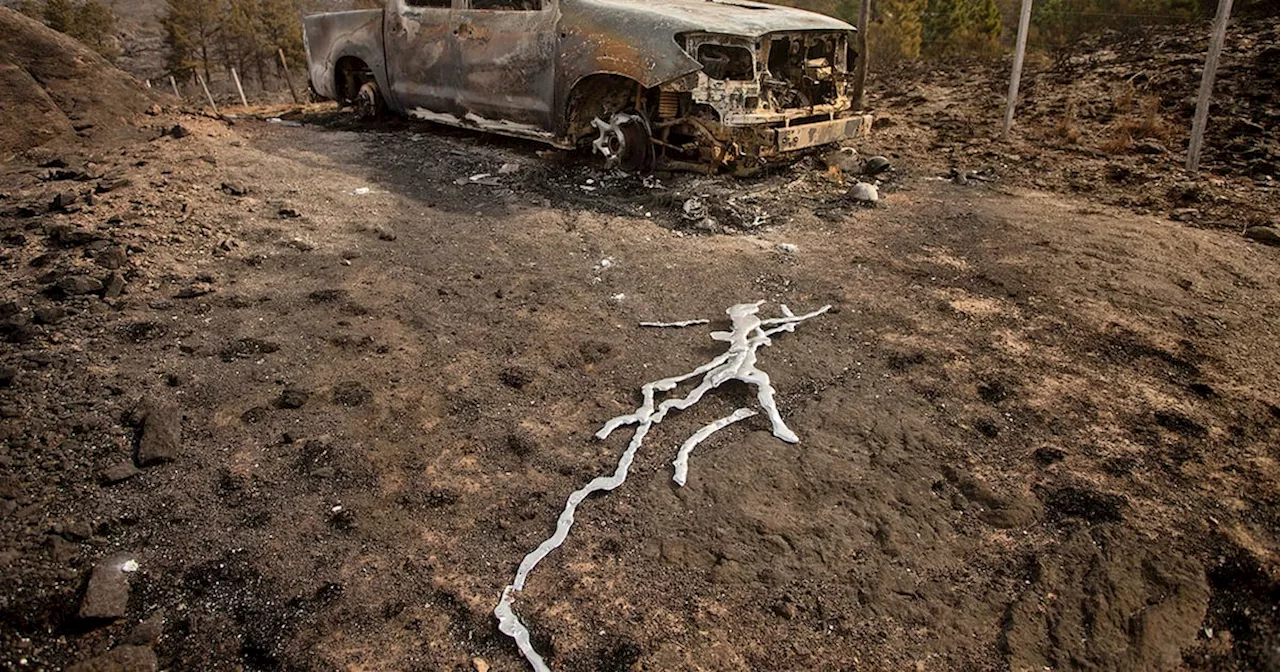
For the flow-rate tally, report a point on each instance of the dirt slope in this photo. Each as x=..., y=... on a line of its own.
x=56, y=91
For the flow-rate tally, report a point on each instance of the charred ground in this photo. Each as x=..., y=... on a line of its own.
x=1037, y=430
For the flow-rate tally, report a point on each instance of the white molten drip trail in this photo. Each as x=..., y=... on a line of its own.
x=738, y=363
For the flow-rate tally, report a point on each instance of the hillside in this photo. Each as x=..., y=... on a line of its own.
x=57, y=91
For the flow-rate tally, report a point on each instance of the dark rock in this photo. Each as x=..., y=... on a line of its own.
x=18, y=329
x=351, y=393
x=289, y=213
x=127, y=658
x=79, y=284
x=113, y=257
x=70, y=236
x=292, y=397
x=8, y=374
x=48, y=314
x=148, y=632
x=246, y=348
x=1263, y=234
x=63, y=201
x=1184, y=215
x=235, y=188
x=179, y=131
x=161, y=433
x=107, y=595
x=117, y=472
x=106, y=186
x=115, y=286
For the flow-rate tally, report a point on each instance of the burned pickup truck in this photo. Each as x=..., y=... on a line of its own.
x=692, y=84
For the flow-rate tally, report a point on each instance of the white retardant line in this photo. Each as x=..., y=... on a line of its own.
x=681, y=462
x=738, y=363
x=674, y=325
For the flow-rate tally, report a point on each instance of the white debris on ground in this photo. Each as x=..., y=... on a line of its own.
x=738, y=363
x=681, y=323
x=864, y=192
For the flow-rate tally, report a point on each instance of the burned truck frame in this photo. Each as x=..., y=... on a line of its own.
x=697, y=84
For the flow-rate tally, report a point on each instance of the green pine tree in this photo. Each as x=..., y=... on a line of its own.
x=191, y=34
x=896, y=31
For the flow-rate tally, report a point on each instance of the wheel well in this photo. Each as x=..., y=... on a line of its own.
x=349, y=74
x=600, y=95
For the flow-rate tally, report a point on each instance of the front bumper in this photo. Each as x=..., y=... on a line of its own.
x=803, y=136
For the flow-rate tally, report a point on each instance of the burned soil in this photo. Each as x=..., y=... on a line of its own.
x=314, y=422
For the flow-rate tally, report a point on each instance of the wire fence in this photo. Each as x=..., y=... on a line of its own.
x=225, y=87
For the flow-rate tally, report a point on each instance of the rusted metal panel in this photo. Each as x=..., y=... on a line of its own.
x=505, y=64
x=421, y=57
x=818, y=133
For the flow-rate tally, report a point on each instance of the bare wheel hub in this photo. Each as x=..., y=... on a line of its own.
x=624, y=141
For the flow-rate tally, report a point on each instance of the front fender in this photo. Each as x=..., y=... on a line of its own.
x=599, y=40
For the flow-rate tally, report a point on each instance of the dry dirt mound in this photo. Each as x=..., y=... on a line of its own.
x=53, y=88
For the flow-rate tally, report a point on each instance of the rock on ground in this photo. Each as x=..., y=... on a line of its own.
x=161, y=433
x=1263, y=234
x=107, y=595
